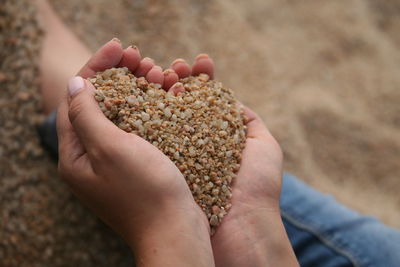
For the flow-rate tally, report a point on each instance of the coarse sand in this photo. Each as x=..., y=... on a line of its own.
x=324, y=75
x=200, y=129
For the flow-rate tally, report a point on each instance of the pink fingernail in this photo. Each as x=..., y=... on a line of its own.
x=116, y=40
x=168, y=71
x=178, y=60
x=148, y=59
x=75, y=84
x=177, y=88
x=202, y=56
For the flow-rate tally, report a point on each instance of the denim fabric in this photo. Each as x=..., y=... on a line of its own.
x=48, y=134
x=326, y=233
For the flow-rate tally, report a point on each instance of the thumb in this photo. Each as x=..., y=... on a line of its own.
x=90, y=125
x=255, y=125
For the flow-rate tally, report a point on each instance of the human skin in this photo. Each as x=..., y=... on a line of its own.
x=61, y=45
x=90, y=164
x=256, y=213
x=130, y=184
x=252, y=233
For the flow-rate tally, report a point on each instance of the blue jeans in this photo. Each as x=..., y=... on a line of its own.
x=322, y=231
x=326, y=233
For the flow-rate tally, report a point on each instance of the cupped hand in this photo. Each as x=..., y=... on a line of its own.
x=252, y=233
x=125, y=180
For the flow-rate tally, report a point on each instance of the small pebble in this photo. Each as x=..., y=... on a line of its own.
x=200, y=130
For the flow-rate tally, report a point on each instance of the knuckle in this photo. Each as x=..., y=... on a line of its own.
x=109, y=151
x=100, y=154
x=71, y=172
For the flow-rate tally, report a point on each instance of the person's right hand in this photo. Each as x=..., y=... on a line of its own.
x=252, y=233
x=126, y=181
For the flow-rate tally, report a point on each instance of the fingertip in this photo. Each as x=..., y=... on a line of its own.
x=75, y=84
x=181, y=67
x=107, y=56
x=202, y=56
x=146, y=64
x=170, y=78
x=113, y=46
x=203, y=64
x=177, y=88
x=116, y=40
x=130, y=58
x=255, y=125
x=178, y=60
x=155, y=75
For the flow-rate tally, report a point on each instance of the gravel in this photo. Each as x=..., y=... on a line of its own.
x=201, y=130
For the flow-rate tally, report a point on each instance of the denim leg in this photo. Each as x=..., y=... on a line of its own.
x=326, y=233
x=48, y=134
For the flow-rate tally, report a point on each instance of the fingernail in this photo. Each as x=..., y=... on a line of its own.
x=157, y=68
x=202, y=56
x=116, y=40
x=134, y=47
x=148, y=59
x=178, y=60
x=75, y=84
x=168, y=71
x=178, y=85
x=177, y=88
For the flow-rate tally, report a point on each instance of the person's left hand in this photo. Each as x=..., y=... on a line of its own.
x=125, y=180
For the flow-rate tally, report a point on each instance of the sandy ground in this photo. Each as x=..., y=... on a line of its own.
x=324, y=75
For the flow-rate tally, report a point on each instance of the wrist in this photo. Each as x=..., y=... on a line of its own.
x=176, y=237
x=256, y=238
x=275, y=245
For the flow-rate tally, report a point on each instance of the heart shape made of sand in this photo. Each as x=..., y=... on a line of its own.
x=201, y=130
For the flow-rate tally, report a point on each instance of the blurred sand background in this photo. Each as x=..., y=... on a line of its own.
x=324, y=75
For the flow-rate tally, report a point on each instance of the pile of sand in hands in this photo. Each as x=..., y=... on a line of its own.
x=201, y=130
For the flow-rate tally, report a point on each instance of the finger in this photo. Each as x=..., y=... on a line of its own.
x=69, y=147
x=72, y=157
x=108, y=56
x=203, y=64
x=155, y=75
x=146, y=64
x=255, y=125
x=181, y=67
x=170, y=78
x=130, y=58
x=177, y=88
x=93, y=129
